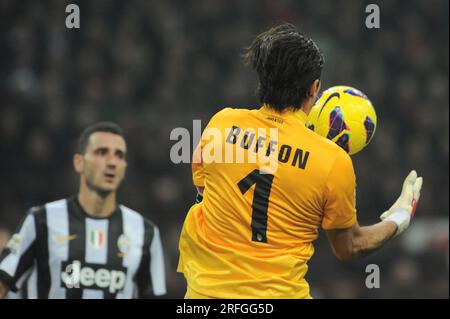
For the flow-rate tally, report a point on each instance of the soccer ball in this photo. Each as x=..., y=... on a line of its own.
x=344, y=115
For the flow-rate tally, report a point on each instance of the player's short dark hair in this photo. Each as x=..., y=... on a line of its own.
x=109, y=127
x=287, y=63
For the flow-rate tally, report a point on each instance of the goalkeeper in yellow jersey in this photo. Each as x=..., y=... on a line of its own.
x=268, y=183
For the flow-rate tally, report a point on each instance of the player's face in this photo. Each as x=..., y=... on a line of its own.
x=104, y=162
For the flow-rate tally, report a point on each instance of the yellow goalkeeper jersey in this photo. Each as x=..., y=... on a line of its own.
x=252, y=235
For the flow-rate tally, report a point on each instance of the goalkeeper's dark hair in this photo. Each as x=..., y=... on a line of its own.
x=287, y=63
x=109, y=127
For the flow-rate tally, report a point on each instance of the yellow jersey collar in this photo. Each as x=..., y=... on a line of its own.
x=298, y=115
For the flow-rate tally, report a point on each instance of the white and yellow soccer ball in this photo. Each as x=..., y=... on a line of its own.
x=344, y=115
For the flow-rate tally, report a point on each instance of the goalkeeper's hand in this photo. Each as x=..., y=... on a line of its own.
x=404, y=208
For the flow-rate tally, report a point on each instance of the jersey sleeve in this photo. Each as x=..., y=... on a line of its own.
x=340, y=191
x=198, y=174
x=151, y=277
x=19, y=254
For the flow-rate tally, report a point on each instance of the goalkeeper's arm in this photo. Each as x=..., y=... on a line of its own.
x=358, y=241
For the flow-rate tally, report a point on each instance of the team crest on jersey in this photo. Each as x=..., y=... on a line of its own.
x=123, y=243
x=14, y=243
x=97, y=239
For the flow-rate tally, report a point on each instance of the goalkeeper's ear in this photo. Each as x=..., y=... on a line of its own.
x=313, y=91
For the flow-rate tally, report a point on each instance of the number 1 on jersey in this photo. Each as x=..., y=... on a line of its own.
x=260, y=203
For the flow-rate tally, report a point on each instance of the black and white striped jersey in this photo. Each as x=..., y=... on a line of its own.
x=61, y=252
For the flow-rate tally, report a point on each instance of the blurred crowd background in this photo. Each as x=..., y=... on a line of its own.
x=154, y=65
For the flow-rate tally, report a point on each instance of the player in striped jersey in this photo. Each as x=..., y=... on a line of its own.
x=87, y=246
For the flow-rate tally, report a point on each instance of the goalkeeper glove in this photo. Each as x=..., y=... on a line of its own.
x=404, y=208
